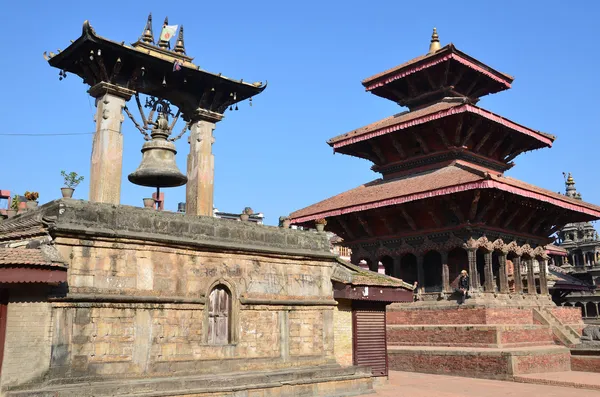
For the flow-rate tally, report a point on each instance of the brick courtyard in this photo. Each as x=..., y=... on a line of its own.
x=425, y=385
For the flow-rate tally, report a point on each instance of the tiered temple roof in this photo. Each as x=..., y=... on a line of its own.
x=443, y=184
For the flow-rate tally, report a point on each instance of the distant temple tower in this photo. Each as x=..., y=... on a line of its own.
x=443, y=202
x=115, y=72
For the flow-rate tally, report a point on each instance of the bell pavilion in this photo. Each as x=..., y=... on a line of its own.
x=443, y=204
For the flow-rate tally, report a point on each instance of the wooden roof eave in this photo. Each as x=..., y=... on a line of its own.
x=447, y=49
x=243, y=89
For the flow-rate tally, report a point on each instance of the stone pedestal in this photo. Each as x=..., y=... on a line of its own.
x=201, y=165
x=486, y=338
x=107, y=147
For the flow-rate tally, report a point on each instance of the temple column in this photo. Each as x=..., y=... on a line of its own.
x=517, y=275
x=488, y=272
x=530, y=277
x=502, y=273
x=420, y=273
x=201, y=164
x=107, y=146
x=597, y=312
x=543, y=278
x=474, y=278
x=584, y=306
x=445, y=273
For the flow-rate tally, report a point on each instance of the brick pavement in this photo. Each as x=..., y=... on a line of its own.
x=425, y=385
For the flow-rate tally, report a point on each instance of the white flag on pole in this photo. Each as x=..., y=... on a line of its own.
x=168, y=32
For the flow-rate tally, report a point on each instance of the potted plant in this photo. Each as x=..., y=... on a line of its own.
x=246, y=214
x=14, y=206
x=71, y=182
x=32, y=199
x=320, y=224
x=284, y=222
x=149, y=202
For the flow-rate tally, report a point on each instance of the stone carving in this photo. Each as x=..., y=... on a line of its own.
x=527, y=250
x=405, y=248
x=591, y=334
x=514, y=247
x=471, y=244
x=452, y=243
x=484, y=243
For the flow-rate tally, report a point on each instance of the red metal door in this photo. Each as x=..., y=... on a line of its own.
x=369, y=336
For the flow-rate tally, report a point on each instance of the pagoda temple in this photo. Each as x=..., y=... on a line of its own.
x=444, y=204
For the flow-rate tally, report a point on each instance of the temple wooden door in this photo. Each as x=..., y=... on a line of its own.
x=369, y=336
x=218, y=316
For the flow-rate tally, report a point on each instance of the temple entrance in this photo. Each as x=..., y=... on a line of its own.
x=481, y=266
x=458, y=260
x=496, y=269
x=388, y=265
x=432, y=265
x=408, y=268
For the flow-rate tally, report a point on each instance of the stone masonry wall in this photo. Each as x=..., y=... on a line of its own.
x=342, y=323
x=140, y=309
x=28, y=336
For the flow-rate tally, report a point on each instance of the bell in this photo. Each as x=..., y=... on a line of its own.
x=158, y=168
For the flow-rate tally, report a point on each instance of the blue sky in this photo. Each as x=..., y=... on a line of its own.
x=273, y=156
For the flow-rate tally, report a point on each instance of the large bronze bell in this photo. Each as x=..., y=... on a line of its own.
x=158, y=168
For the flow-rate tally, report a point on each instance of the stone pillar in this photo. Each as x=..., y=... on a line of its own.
x=543, y=278
x=530, y=277
x=503, y=276
x=597, y=312
x=474, y=278
x=445, y=273
x=420, y=273
x=488, y=272
x=517, y=274
x=107, y=147
x=201, y=164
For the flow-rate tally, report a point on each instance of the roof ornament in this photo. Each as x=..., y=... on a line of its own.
x=571, y=191
x=435, y=42
x=148, y=36
x=179, y=46
x=162, y=43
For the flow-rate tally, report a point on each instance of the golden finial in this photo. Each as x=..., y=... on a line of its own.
x=161, y=42
x=148, y=36
x=435, y=42
x=179, y=46
x=570, y=180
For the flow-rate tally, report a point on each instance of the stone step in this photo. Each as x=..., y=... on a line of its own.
x=564, y=333
x=576, y=379
x=470, y=335
x=488, y=363
x=318, y=381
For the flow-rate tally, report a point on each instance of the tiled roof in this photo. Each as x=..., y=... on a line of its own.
x=447, y=180
x=439, y=110
x=10, y=257
x=21, y=227
x=366, y=277
x=441, y=52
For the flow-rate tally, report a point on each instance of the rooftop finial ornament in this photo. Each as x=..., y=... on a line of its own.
x=179, y=46
x=435, y=42
x=148, y=36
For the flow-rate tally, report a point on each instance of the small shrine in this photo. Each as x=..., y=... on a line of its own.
x=443, y=204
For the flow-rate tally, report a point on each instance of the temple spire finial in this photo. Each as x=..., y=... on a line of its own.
x=162, y=43
x=179, y=46
x=434, y=45
x=147, y=35
x=571, y=191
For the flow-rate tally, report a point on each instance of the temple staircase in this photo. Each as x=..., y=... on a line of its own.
x=565, y=333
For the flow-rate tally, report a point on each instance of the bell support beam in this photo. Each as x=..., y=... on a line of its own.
x=201, y=163
x=107, y=146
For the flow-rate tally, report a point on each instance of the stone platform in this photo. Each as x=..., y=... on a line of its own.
x=486, y=338
x=331, y=381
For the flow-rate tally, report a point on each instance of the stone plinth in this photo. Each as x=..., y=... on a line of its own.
x=135, y=315
x=487, y=338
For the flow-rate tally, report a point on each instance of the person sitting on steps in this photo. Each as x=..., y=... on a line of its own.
x=463, y=286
